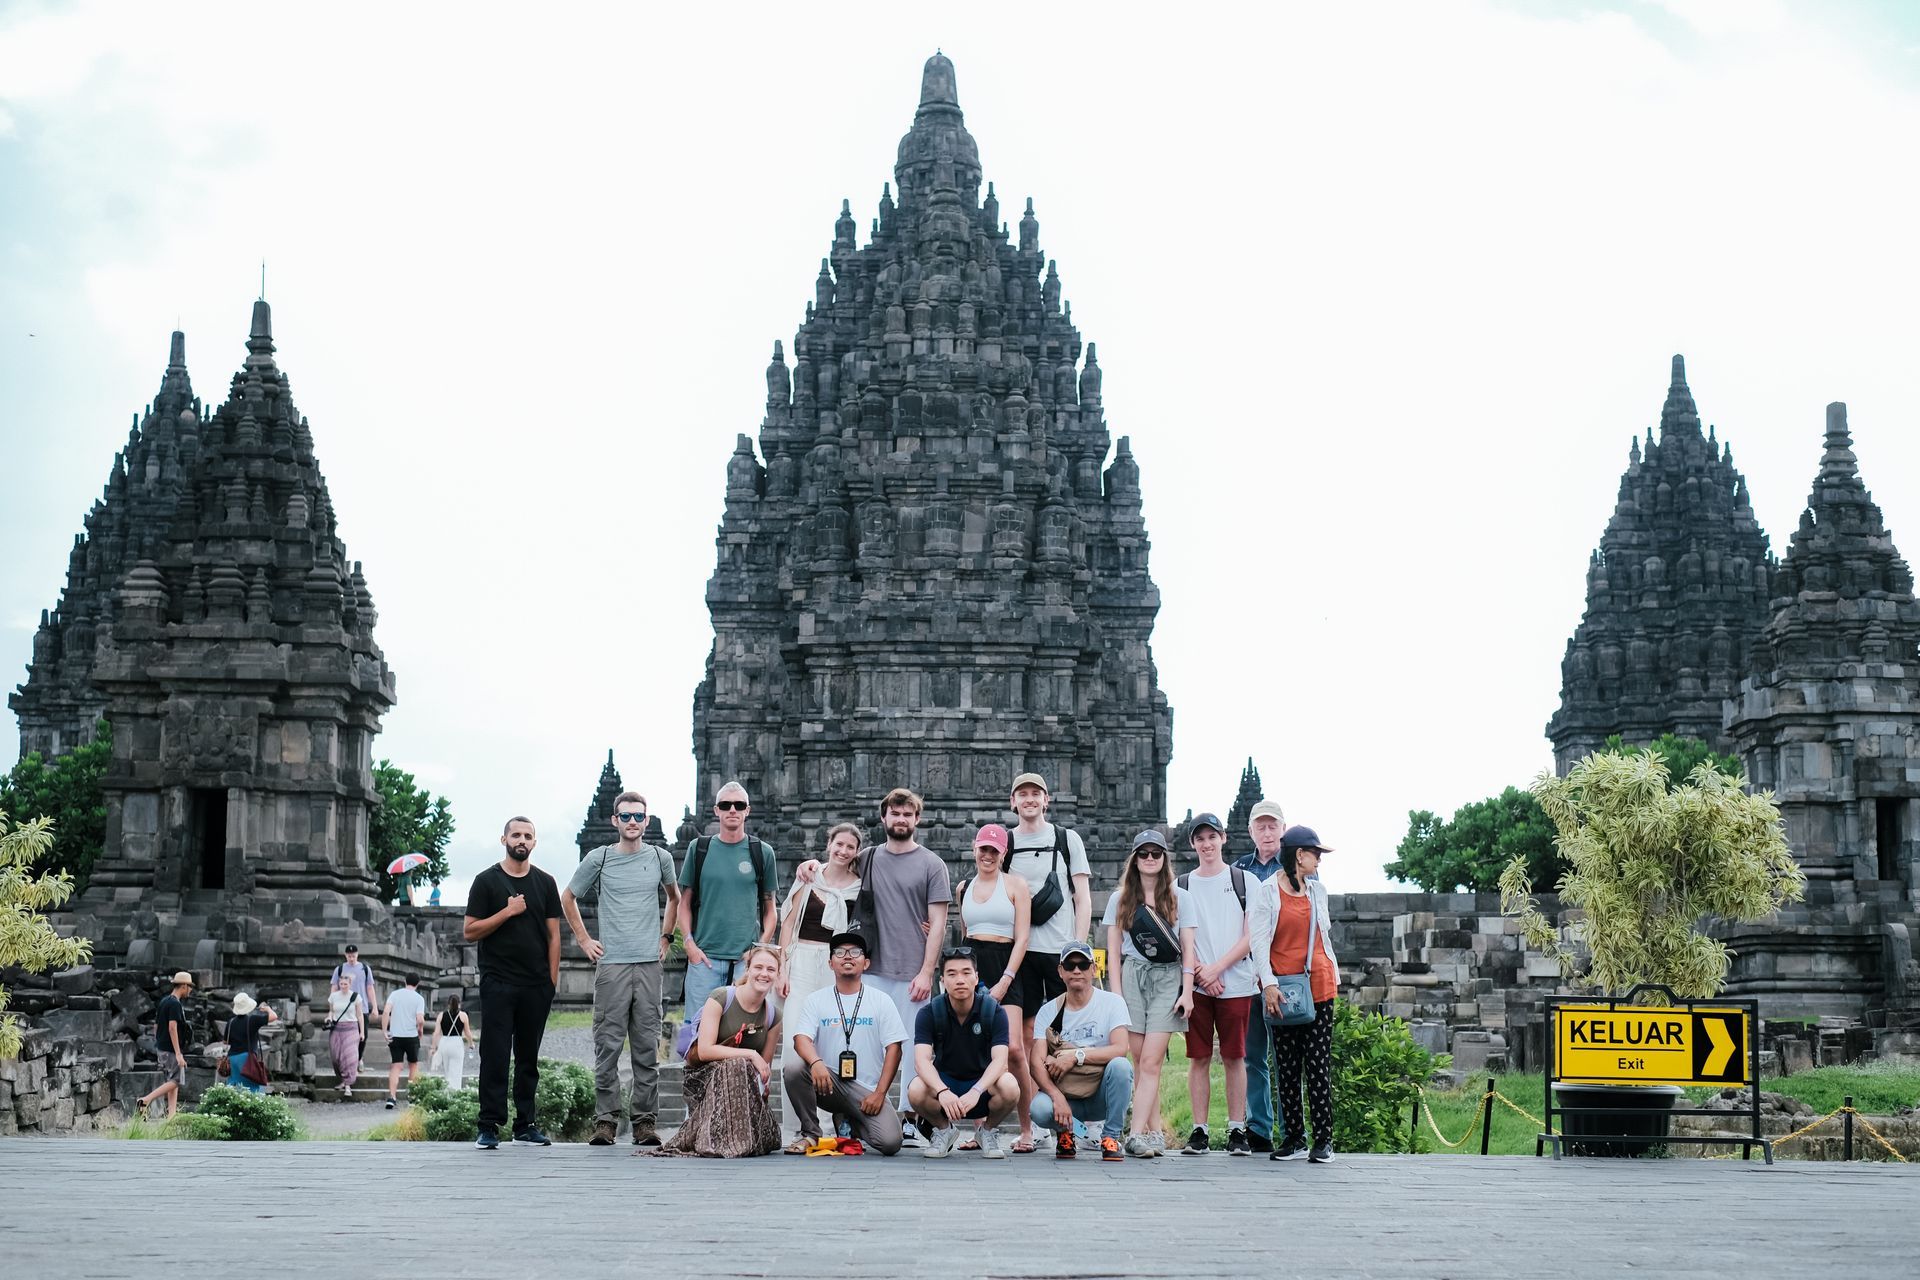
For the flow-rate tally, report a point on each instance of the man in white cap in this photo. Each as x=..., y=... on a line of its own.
x=1267, y=822
x=170, y=1035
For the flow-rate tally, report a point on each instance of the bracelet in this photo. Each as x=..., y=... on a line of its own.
x=943, y=1089
x=1188, y=973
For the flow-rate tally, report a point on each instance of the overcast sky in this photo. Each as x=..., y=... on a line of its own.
x=1381, y=292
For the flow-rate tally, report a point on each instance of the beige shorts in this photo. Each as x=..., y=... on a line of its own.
x=1151, y=991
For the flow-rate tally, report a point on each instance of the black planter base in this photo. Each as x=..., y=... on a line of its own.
x=1633, y=1119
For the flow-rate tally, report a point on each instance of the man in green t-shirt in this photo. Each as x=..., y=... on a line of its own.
x=726, y=904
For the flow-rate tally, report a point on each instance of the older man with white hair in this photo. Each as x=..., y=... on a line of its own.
x=1267, y=823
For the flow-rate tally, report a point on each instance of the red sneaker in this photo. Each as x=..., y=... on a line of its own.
x=1110, y=1149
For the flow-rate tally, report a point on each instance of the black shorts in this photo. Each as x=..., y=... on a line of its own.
x=1037, y=982
x=991, y=960
x=404, y=1049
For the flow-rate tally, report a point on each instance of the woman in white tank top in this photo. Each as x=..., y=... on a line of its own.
x=995, y=907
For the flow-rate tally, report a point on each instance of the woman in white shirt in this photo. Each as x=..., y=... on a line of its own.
x=1150, y=962
x=343, y=1039
x=1292, y=932
x=816, y=909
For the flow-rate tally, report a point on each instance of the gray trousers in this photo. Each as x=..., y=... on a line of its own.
x=881, y=1132
x=626, y=1009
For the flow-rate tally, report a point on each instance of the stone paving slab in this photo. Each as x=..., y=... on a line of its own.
x=96, y=1208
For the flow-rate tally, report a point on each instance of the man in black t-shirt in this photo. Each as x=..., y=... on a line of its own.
x=513, y=912
x=170, y=1037
x=960, y=1061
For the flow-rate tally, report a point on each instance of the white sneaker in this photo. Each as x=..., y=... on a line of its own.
x=942, y=1144
x=910, y=1135
x=990, y=1148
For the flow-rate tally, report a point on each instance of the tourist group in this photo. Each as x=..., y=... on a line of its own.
x=915, y=1012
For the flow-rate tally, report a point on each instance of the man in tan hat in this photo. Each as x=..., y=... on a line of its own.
x=1265, y=824
x=170, y=1035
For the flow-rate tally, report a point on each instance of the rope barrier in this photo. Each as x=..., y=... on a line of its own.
x=1428, y=1112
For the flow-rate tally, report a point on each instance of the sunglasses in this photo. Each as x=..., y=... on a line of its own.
x=1149, y=853
x=1076, y=965
x=731, y=806
x=629, y=817
x=956, y=953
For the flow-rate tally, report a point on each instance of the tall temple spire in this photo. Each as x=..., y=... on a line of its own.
x=1678, y=413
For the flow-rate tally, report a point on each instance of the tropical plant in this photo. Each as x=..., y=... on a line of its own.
x=1377, y=1068
x=27, y=941
x=1647, y=863
x=409, y=820
x=67, y=791
x=250, y=1116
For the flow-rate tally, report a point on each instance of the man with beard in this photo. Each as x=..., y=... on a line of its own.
x=904, y=896
x=513, y=912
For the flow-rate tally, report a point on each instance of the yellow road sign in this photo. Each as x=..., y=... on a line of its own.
x=1646, y=1045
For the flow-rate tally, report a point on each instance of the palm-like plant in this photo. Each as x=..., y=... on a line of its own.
x=27, y=941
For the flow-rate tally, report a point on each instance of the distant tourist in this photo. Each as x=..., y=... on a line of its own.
x=1293, y=934
x=628, y=878
x=452, y=1037
x=1080, y=1058
x=729, y=1066
x=1224, y=986
x=433, y=899
x=1150, y=964
x=362, y=975
x=815, y=911
x=346, y=1022
x=170, y=1039
x=402, y=1021
x=1266, y=822
x=960, y=1061
x=513, y=912
x=844, y=1055
x=996, y=921
x=1053, y=861
x=727, y=893
x=243, y=1039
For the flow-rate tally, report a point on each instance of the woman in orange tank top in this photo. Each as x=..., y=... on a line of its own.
x=1290, y=936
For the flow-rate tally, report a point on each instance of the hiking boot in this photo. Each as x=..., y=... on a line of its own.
x=644, y=1134
x=1237, y=1142
x=1322, y=1153
x=1110, y=1149
x=1063, y=1145
x=604, y=1132
x=942, y=1143
x=1141, y=1146
x=1197, y=1143
x=990, y=1148
x=1291, y=1149
x=532, y=1137
x=488, y=1140
x=1262, y=1145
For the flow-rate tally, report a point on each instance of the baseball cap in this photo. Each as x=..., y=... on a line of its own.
x=1206, y=820
x=849, y=939
x=1076, y=948
x=993, y=835
x=1303, y=838
x=1029, y=780
x=1268, y=809
x=1149, y=837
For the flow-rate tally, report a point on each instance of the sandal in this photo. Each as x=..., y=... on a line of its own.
x=798, y=1147
x=969, y=1144
x=1022, y=1147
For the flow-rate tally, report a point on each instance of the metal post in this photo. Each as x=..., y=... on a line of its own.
x=1413, y=1125
x=1846, y=1143
x=1486, y=1115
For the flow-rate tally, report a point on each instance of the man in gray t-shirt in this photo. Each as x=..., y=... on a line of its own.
x=910, y=892
x=628, y=878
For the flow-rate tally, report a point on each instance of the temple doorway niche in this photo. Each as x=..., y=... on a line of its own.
x=207, y=834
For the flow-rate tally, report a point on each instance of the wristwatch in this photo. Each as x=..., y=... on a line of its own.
x=1079, y=1057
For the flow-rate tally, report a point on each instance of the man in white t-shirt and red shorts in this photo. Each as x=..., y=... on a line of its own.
x=1224, y=986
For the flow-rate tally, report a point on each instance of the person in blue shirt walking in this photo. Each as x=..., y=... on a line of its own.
x=1267, y=823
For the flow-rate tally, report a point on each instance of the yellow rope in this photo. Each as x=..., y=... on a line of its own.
x=1806, y=1129
x=1514, y=1106
x=1428, y=1112
x=1891, y=1149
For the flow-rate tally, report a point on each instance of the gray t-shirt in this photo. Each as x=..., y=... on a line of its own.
x=627, y=886
x=905, y=885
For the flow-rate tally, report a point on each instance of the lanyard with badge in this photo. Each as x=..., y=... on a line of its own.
x=849, y=1061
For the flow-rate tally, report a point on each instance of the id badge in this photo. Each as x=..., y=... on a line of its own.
x=849, y=1064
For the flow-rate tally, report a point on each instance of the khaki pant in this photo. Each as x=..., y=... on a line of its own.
x=881, y=1132
x=626, y=1009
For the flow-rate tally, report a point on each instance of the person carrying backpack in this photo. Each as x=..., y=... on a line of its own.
x=727, y=894
x=1223, y=985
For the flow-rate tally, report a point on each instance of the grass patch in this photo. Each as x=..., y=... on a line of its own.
x=1878, y=1088
x=570, y=1018
x=409, y=1126
x=1177, y=1108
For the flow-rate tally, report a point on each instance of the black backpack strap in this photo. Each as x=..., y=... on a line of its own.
x=699, y=865
x=1239, y=878
x=760, y=855
x=1185, y=880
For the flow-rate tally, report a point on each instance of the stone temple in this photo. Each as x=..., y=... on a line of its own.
x=212, y=617
x=933, y=571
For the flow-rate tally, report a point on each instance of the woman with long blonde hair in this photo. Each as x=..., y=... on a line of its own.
x=729, y=1064
x=1150, y=963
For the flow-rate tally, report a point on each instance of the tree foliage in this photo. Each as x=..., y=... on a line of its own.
x=1647, y=862
x=66, y=790
x=1470, y=850
x=27, y=941
x=1681, y=756
x=410, y=820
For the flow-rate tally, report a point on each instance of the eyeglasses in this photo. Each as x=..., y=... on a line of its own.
x=730, y=806
x=847, y=953
x=1075, y=966
x=629, y=817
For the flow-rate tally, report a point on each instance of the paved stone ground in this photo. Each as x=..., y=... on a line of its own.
x=94, y=1208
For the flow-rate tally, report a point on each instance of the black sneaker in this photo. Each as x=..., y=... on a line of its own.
x=488, y=1140
x=1237, y=1142
x=389, y=1104
x=1197, y=1142
x=1322, y=1153
x=532, y=1137
x=1291, y=1149
x=1262, y=1145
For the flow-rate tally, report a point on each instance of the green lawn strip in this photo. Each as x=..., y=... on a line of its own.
x=569, y=1018
x=1878, y=1088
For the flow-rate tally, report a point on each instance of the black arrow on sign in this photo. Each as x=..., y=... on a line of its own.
x=1719, y=1047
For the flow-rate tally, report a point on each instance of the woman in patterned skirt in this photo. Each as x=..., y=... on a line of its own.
x=729, y=1065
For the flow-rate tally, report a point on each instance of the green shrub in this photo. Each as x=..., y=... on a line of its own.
x=453, y=1116
x=564, y=1100
x=250, y=1117
x=1377, y=1066
x=424, y=1091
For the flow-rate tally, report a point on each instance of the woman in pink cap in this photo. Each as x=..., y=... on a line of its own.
x=995, y=911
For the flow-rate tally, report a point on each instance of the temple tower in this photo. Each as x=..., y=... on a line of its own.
x=212, y=616
x=1676, y=593
x=1240, y=817
x=597, y=829
x=932, y=570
